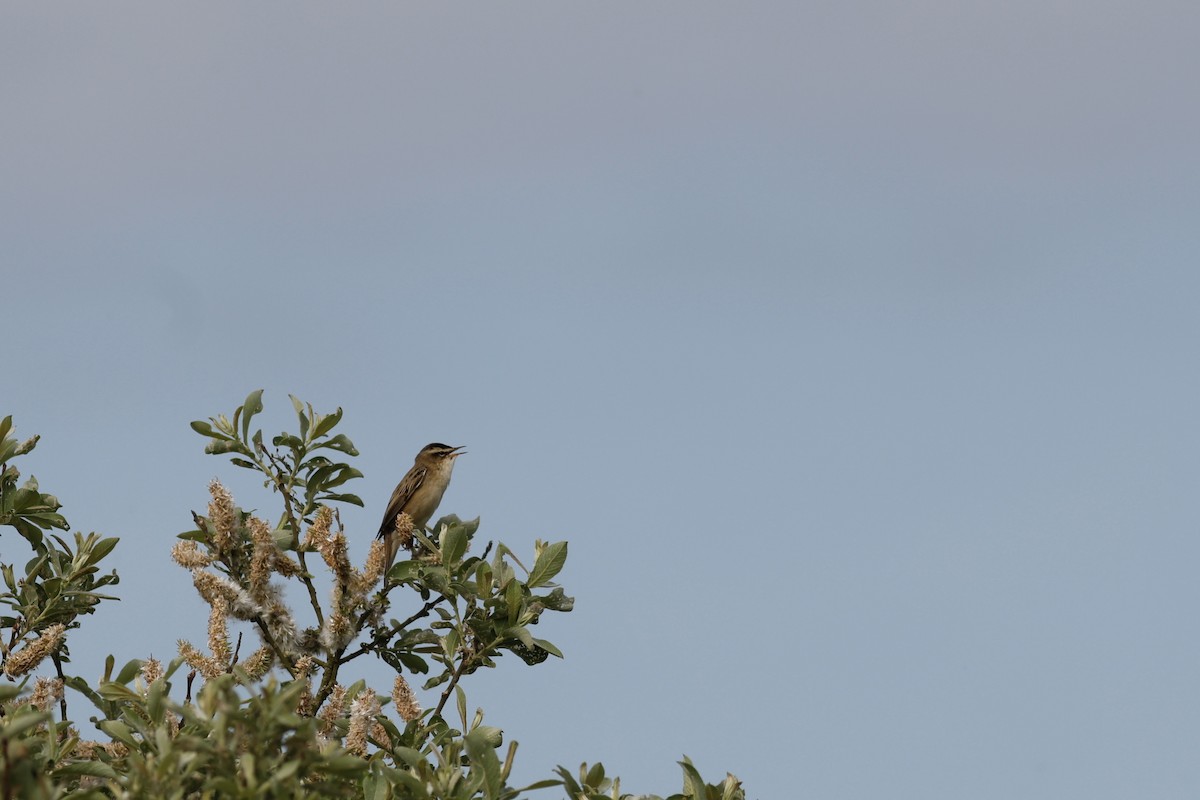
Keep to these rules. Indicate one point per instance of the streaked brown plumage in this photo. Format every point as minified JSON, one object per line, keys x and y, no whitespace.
{"x":419,"y":492}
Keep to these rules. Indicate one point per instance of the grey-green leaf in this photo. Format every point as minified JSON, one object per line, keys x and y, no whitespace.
{"x":550,"y":562}
{"x":252,"y":406}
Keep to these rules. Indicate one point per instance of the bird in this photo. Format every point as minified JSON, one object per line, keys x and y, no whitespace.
{"x":418,"y":493}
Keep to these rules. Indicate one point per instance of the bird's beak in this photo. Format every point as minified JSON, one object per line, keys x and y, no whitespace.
{"x":455,"y":454}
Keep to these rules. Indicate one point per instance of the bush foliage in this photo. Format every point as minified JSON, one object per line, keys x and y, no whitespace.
{"x":286,"y":717}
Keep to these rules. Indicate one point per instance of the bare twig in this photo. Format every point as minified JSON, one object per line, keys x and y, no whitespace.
{"x":459,"y":671}
{"x":62,"y":701}
{"x":276,"y":473}
{"x":383,"y":636}
{"x":270,"y":640}
{"x":237,"y":649}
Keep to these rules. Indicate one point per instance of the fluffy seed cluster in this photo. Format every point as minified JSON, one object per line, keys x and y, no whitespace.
{"x":350,"y":587}
{"x":151,"y":671}
{"x":259,"y":662}
{"x":188,"y":555}
{"x":334,"y":709}
{"x":337,"y":631}
{"x":404,"y":530}
{"x":223,"y":515}
{"x":406,"y":702}
{"x":32,"y":654}
{"x":238,"y":601}
{"x":362,"y":714}
{"x":267,"y":559}
{"x":206,"y":666}
{"x":318,"y":532}
{"x":46,"y":692}
{"x":304,"y":668}
{"x":374,"y":568}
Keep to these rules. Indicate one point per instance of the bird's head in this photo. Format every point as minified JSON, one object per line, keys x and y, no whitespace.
{"x":438,"y":453}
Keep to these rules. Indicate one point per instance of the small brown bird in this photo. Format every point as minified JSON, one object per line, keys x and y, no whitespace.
{"x":418,"y":493}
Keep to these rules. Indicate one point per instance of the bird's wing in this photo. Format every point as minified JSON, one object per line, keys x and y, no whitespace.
{"x":404,"y":492}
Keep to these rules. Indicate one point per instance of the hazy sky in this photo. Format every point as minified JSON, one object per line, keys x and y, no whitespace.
{"x":851,"y":346}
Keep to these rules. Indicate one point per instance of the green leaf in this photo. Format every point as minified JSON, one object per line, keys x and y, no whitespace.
{"x":549,"y":563}
{"x":296,"y":404}
{"x":18,"y":724}
{"x":460,"y":699}
{"x":483,"y":756}
{"x":204,"y":429}
{"x":118,"y":692}
{"x":154,"y":700}
{"x":218,"y":447}
{"x":568,"y":781}
{"x":414,"y":663}
{"x":289,"y":440}
{"x":353,"y":499}
{"x":531,"y":655}
{"x":93,"y":769}
{"x":128,"y":671}
{"x":345,"y":472}
{"x":342,"y":444}
{"x":327,"y":422}
{"x":119,"y":731}
{"x":102,"y":548}
{"x":374,"y":787}
{"x":693,"y":784}
{"x":513,"y":595}
{"x":27,"y":445}
{"x":557,"y":600}
{"x":454,"y":545}
{"x":403,"y":571}
{"x":545,"y":783}
{"x":595,"y":775}
{"x":283,"y":538}
{"x":451,"y":520}
{"x":548,"y":647}
{"x":252,"y":406}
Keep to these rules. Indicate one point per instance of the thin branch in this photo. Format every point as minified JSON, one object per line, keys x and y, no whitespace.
{"x":383,"y":636}
{"x":62,"y":701}
{"x":279,"y":654}
{"x":276,"y":474}
{"x":237,"y":649}
{"x":458,"y":673}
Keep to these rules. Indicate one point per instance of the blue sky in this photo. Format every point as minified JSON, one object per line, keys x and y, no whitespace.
{"x":848,"y":344}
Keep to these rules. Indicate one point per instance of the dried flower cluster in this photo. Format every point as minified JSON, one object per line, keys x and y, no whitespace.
{"x":232,"y":570}
{"x":304,"y":668}
{"x":46,"y":692}
{"x":223,"y":515}
{"x":350,"y":587}
{"x":260,"y":601}
{"x":404,"y":530}
{"x":151,"y":671}
{"x":335,"y":708}
{"x":363,"y":711}
{"x":187,"y":555}
{"x":405,"y":701}
{"x":24,"y":660}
